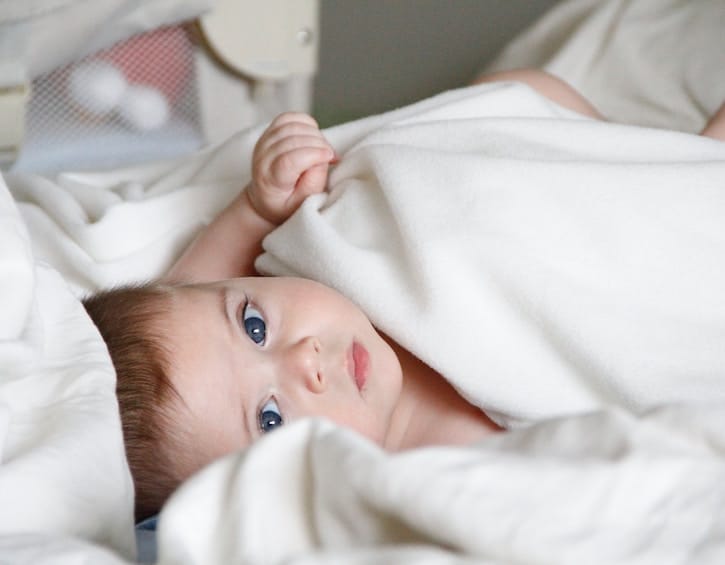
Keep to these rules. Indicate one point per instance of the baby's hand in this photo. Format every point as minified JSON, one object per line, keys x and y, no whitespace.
{"x":290,"y":162}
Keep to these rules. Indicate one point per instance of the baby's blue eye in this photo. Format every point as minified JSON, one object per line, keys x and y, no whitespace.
{"x":254,"y":324}
{"x":270,"y":416}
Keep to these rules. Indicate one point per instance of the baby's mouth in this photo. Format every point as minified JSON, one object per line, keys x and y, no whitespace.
{"x":358,"y":363}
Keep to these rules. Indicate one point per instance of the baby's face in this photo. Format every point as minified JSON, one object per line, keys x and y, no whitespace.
{"x":249,"y":355}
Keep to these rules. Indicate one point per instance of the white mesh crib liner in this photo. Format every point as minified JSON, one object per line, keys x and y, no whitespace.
{"x":115,"y":106}
{"x":125,"y":103}
{"x":127,"y":81}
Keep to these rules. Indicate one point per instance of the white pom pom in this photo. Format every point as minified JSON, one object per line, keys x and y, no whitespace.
{"x":144,"y":108}
{"x":97,"y":87}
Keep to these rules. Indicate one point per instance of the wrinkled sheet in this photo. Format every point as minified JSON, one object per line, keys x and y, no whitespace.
{"x":598,"y":487}
{"x":63,"y":471}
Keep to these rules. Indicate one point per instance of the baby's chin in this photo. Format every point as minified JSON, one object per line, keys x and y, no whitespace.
{"x":372,"y":432}
{"x":377,"y":438}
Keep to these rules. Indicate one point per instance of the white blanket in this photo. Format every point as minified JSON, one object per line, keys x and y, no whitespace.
{"x":591,"y":276}
{"x":545,"y":264}
{"x":572,"y":217}
{"x":62,"y":469}
{"x":598,"y":489}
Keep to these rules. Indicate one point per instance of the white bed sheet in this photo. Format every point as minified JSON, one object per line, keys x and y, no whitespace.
{"x":595,"y":488}
{"x":63,"y":471}
{"x":598,"y":489}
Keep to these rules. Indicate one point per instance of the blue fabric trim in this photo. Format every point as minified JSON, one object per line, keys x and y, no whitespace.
{"x":148,"y":523}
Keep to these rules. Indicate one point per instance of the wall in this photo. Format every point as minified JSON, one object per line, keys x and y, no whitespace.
{"x":376,"y":55}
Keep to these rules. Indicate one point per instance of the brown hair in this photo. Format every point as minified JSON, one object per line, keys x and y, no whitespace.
{"x":128,"y":320}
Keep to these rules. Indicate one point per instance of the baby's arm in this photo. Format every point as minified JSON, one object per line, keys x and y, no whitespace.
{"x":715,"y":128}
{"x":548,"y":85}
{"x":289,"y":163}
{"x":562,"y":93}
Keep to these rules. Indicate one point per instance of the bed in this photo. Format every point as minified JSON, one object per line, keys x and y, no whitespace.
{"x":616,"y":445}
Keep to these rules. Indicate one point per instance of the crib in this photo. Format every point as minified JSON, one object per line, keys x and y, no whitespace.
{"x":129,"y":82}
{"x":110,"y":169}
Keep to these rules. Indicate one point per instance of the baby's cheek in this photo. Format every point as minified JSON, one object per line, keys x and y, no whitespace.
{"x":372,"y":427}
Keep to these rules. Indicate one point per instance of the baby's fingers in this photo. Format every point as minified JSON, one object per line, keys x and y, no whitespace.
{"x":288,"y":125}
{"x":312,"y":181}
{"x":292,"y":142}
{"x":288,"y":117}
{"x":289,"y":166}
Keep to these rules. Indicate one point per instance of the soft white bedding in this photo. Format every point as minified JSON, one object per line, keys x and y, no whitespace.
{"x":582,"y":489}
{"x":605,"y":487}
{"x":62,"y":471}
{"x":544,"y":263}
{"x":599,"y":489}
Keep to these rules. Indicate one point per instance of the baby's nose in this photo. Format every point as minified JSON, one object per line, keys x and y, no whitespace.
{"x":304,"y":358}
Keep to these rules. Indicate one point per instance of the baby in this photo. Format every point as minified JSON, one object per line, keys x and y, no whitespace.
{"x":207,"y":363}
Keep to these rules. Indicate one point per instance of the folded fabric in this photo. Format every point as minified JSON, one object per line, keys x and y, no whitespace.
{"x":598,"y":489}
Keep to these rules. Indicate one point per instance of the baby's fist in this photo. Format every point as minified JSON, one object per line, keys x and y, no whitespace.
{"x":289,"y":163}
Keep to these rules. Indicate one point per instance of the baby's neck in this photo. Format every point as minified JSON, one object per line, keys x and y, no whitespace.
{"x":431,"y":411}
